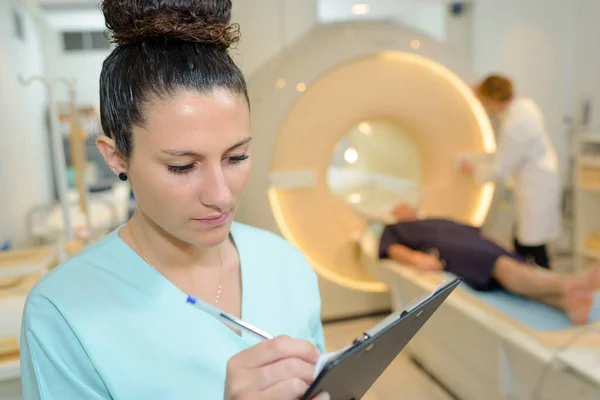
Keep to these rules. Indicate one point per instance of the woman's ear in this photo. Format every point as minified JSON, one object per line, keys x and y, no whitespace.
{"x":108,"y":149}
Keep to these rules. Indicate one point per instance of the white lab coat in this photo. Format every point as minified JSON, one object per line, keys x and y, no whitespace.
{"x":525,"y":153}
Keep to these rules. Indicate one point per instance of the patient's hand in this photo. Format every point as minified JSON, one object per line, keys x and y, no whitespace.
{"x":427,"y":262}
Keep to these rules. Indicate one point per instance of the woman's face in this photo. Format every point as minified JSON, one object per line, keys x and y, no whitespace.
{"x":191,"y":163}
{"x":494,"y":107}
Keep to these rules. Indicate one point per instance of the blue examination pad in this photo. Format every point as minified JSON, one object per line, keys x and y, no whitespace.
{"x":376,"y":228}
{"x":535,"y":315}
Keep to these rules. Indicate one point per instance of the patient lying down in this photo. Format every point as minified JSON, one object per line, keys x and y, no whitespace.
{"x":441,"y":244}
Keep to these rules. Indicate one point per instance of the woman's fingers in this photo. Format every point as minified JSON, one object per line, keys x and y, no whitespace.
{"x":273,"y":350}
{"x":283,"y":370}
{"x":280,"y":364}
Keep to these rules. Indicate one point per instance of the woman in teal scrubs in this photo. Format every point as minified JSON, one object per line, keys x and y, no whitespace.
{"x":113,"y":322}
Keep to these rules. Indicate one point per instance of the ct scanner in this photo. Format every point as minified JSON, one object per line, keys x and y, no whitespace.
{"x":304,"y":101}
{"x":336,"y":77}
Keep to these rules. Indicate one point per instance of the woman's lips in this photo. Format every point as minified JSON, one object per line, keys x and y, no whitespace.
{"x":212,"y":220}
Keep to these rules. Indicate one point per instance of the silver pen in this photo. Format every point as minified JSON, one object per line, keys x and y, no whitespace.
{"x":229,"y":319}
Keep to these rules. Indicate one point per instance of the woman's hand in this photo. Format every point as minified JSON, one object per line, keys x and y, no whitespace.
{"x":280,"y":369}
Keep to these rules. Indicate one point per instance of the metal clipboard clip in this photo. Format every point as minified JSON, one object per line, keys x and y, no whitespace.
{"x":393,"y":317}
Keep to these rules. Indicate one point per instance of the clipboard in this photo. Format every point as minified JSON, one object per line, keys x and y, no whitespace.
{"x":351,"y":373}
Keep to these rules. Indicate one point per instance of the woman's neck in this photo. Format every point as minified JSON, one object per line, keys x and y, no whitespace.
{"x":165,"y":251}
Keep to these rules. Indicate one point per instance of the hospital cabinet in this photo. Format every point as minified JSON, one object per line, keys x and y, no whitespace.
{"x":586,"y":180}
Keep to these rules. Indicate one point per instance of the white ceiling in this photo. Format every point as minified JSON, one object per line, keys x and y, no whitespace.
{"x":66,"y":4}
{"x":335,"y":3}
{"x":61,"y":2}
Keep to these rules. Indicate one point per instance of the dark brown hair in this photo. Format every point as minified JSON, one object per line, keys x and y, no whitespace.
{"x":496,"y":87}
{"x":163,"y":46}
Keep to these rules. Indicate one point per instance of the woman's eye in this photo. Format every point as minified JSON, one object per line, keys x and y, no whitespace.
{"x":237,"y":159}
{"x":180,"y":169}
{"x":185,"y":169}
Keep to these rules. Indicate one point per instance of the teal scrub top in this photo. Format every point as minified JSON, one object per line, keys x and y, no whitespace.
{"x":105,"y":325}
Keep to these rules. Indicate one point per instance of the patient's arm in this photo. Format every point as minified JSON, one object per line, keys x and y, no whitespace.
{"x":406,"y":255}
{"x":402,"y":254}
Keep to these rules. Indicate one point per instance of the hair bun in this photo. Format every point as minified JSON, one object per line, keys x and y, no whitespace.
{"x":201,"y":21}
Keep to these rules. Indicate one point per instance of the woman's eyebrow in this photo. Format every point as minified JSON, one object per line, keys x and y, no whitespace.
{"x":189,"y":153}
{"x":240,"y":143}
{"x":181,"y":153}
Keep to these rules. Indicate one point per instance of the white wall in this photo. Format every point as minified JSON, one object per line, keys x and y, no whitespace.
{"x":76,"y":19}
{"x":25,"y":177}
{"x":426,"y":17}
{"x":83,"y":66}
{"x":459,"y":31}
{"x":430,"y":17}
{"x":267,"y":26}
{"x":530,"y":41}
{"x":587,"y":59}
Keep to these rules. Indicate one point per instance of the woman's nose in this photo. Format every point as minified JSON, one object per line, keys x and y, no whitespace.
{"x":215,"y":189}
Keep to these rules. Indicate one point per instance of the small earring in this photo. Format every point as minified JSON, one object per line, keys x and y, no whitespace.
{"x":123,"y":176}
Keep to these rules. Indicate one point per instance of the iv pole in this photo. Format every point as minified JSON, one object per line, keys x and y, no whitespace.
{"x":60,"y":168}
{"x":78,"y":139}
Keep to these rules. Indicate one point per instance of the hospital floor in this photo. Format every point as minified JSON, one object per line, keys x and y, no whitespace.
{"x":403,"y":378}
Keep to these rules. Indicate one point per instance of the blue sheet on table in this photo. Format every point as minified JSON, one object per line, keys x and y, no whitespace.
{"x":533,"y":314}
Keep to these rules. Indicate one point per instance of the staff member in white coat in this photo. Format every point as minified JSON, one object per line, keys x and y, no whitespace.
{"x":524,"y":152}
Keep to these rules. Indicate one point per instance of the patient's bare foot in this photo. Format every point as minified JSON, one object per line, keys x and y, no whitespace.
{"x":577,"y":299}
{"x":593,"y":276}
